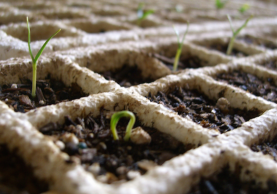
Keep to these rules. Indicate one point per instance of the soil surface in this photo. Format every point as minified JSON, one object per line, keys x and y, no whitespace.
{"x":191,"y":104}
{"x":257,"y":42}
{"x":267,"y":147}
{"x":248,"y":82}
{"x":192,"y":62}
{"x":49,"y":91}
{"x":223,"y":49}
{"x":16,"y":177}
{"x":127,"y":76}
{"x":90,"y":140}
{"x":227,"y":182}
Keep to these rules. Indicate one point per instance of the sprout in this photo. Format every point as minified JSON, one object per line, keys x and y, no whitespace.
{"x":35,"y":60}
{"x":235,"y":33}
{"x":180,"y":46}
{"x":141,"y":14}
{"x":219,"y":4}
{"x":244,"y":8}
{"x":114,"y":120}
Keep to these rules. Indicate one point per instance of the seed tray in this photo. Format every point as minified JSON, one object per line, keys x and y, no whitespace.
{"x":104,"y":36}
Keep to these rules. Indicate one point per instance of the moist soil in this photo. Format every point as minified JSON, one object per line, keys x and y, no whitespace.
{"x":267,"y":147}
{"x":223,"y":49}
{"x":250,"y":83}
{"x":257,"y":42}
{"x":49,"y":91}
{"x":227,"y":182}
{"x":127,"y":76}
{"x":191,"y":61}
{"x":111,"y":160}
{"x":199,"y":108}
{"x":16,"y":177}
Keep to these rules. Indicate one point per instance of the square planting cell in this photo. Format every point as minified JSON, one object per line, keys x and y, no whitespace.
{"x":52,"y":86}
{"x":257,"y":41}
{"x":264,"y":87}
{"x":215,"y":114}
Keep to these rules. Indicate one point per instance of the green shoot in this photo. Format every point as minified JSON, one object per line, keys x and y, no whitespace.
{"x":35,"y":59}
{"x":180,"y":46}
{"x":219,"y":4}
{"x":235,"y":33}
{"x":142,"y":15}
{"x":244,"y":8}
{"x":114,"y":120}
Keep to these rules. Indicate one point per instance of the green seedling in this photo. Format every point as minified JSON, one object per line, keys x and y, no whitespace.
{"x":114,"y":120}
{"x":219,"y":4}
{"x":235,"y":33}
{"x":35,"y":59}
{"x":142,"y":15}
{"x":244,"y":8}
{"x":180,"y":46}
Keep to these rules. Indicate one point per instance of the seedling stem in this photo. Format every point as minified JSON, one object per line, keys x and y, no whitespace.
{"x":142,"y":15}
{"x":35,"y":59}
{"x":180,"y":46}
{"x":114,"y":120}
{"x":235,"y":33}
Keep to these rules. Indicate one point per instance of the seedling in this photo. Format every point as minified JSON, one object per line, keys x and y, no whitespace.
{"x":180,"y":46}
{"x":35,"y":59}
{"x":142,"y":15}
{"x":244,"y":8}
{"x":219,"y":4}
{"x":235,"y":33}
{"x":114,"y":120}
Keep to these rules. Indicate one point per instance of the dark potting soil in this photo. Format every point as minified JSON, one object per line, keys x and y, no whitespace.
{"x":112,"y":160}
{"x":227,"y":182}
{"x":127,"y":76}
{"x":16,"y":177}
{"x":223,"y":49}
{"x":267,"y":147}
{"x":248,"y":82}
{"x":257,"y":42}
{"x":208,"y":113}
{"x":192,"y":62}
{"x":49,"y":91}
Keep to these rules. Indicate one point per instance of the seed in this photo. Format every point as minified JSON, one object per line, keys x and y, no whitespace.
{"x":139,"y":136}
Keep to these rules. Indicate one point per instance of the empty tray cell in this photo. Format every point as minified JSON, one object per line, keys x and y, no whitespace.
{"x":261,"y":42}
{"x":268,"y":147}
{"x":194,"y":105}
{"x":123,"y":64}
{"x":269,"y":63}
{"x":98,"y":26}
{"x":39,"y":31}
{"x":16,"y":176}
{"x":90,"y":139}
{"x":264,"y":88}
{"x":229,"y":182}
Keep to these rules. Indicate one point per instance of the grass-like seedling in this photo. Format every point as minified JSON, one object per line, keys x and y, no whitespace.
{"x":35,"y":59}
{"x":142,"y":15}
{"x":114,"y":120}
{"x":244,"y":8}
{"x":180,"y":46}
{"x":219,"y":4}
{"x":235,"y":33}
